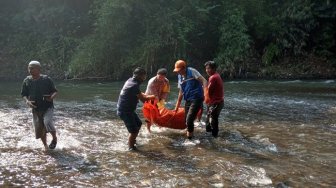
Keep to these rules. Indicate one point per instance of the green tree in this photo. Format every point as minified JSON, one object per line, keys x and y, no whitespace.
{"x":234,"y":42}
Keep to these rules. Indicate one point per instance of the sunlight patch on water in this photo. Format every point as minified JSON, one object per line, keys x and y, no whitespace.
{"x":29,"y":141}
{"x":264,"y":143}
{"x":329,"y":81}
{"x":259,"y":177}
{"x":66,"y":140}
{"x":224,"y":171}
{"x":185,"y":142}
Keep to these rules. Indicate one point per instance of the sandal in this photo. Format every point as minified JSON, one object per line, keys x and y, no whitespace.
{"x":53,"y":144}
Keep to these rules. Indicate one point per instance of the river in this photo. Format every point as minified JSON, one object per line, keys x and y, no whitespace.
{"x":272,"y":133}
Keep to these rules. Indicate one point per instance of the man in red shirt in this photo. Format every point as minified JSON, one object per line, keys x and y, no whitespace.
{"x":214,"y":98}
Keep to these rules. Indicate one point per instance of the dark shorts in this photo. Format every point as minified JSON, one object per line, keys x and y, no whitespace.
{"x":131,"y":120}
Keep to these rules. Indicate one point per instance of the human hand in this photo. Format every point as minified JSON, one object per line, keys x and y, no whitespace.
{"x":206,"y":96}
{"x":151,"y":97}
{"x":30,"y":104}
{"x":47,"y":98}
{"x":161,"y":103}
{"x":207,"y":100}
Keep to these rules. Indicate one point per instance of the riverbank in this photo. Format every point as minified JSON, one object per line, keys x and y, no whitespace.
{"x":310,"y":67}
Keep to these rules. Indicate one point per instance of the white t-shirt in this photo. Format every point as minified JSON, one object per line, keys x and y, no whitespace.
{"x":159,"y":88}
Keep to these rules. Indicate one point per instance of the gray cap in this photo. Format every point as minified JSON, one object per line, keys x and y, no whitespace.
{"x":34,"y":63}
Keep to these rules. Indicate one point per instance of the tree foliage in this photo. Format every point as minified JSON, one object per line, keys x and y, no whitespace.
{"x":109,"y":38}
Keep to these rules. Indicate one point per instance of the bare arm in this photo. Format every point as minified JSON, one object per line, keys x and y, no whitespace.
{"x":53,"y":95}
{"x":179,"y":99}
{"x":28,"y":102}
{"x":143,"y":97}
{"x":204,"y":83}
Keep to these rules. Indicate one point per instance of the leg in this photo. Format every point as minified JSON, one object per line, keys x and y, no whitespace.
{"x":133,"y":125}
{"x":187,"y":105}
{"x":138,"y":124}
{"x":207,"y":121}
{"x":214,"y":118}
{"x":49,"y":125}
{"x":53,"y":134}
{"x":44,"y":141}
{"x":199,"y":114}
{"x":148,"y":125}
{"x":186,"y":110}
{"x":191,"y":116}
{"x":132,"y":140}
{"x":53,"y":142}
{"x":40,"y":131}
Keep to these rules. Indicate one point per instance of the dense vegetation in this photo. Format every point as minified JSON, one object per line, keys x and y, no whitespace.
{"x":108,"y":38}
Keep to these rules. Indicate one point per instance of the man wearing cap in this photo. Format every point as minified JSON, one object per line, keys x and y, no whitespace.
{"x":191,"y":85}
{"x":38,"y":91}
{"x":127,"y":103}
{"x":159,"y":87}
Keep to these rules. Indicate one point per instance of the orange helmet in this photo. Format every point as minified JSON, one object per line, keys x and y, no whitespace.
{"x":180,"y":64}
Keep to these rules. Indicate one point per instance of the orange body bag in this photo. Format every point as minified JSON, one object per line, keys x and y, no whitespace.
{"x":164,"y":117}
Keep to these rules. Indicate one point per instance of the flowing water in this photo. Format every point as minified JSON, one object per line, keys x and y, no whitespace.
{"x":272,"y":134}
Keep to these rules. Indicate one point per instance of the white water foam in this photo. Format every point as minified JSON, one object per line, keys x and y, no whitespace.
{"x":186,"y":142}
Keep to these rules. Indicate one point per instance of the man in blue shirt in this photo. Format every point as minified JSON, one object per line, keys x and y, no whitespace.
{"x":127,"y":103}
{"x":191,"y":84}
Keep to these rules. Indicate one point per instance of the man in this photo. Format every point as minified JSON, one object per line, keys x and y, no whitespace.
{"x":127,"y":103}
{"x":214,"y":97}
{"x":159,"y":87}
{"x":190,"y":83}
{"x":38,"y":91}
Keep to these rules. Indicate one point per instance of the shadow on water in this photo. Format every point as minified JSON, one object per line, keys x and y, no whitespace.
{"x":231,"y":142}
{"x":164,"y":160}
{"x":69,"y":160}
{"x":239,"y":143}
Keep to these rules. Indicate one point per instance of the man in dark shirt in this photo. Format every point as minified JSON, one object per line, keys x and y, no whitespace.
{"x":38,"y":91}
{"x":127,"y":103}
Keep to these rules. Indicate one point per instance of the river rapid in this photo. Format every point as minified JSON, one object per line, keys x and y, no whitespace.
{"x":272,"y":134}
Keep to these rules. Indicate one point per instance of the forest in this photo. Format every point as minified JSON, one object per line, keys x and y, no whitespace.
{"x":107,"y":39}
